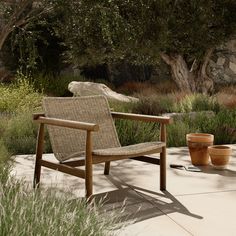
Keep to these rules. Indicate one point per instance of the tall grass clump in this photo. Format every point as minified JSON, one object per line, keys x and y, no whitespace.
{"x":35,"y":213}
{"x":24,"y":212}
{"x":45,"y":213}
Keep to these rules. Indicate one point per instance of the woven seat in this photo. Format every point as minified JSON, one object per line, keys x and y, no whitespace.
{"x":84,"y":126}
{"x":132,"y":150}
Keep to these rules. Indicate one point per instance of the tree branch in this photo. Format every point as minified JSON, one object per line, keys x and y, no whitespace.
{"x":14,"y":20}
{"x":166,"y":58}
{"x":194,"y":65}
{"x":206,"y":60}
{"x":17,"y":20}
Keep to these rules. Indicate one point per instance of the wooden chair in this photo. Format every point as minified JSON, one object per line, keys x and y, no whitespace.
{"x":82,"y":132}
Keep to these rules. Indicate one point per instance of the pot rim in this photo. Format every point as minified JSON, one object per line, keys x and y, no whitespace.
{"x":219,"y":150}
{"x":200,"y":137}
{"x":220,"y":147}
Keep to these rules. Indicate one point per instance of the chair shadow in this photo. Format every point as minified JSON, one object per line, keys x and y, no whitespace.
{"x":135,"y":204}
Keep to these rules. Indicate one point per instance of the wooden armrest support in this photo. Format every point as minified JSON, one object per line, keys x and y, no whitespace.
{"x":146,"y":118}
{"x":65,"y":123}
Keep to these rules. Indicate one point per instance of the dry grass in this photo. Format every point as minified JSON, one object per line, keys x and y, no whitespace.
{"x":132,"y":87}
{"x":227,"y":97}
{"x":147,"y":88}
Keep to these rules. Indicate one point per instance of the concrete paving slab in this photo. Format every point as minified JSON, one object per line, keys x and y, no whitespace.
{"x":158,"y":226}
{"x":179,"y":182}
{"x":195,"y":204}
{"x":24,"y":168}
{"x":218,"y":212}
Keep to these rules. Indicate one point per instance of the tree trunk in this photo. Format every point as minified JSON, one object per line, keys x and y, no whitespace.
{"x":109,"y":72}
{"x":193,"y":80}
{"x":180,"y":72}
{"x":203,"y":81}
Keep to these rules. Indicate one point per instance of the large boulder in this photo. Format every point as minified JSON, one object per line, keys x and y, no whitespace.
{"x":90,"y":88}
{"x":223,"y":64}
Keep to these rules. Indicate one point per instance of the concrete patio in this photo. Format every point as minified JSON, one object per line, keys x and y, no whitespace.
{"x":196,"y":203}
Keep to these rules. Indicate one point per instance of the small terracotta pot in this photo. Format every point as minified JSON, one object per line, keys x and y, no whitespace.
{"x":220,"y":155}
{"x":198,"y":144}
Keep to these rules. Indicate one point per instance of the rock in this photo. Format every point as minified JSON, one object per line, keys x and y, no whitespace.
{"x":232,"y":66}
{"x":90,"y":88}
{"x":220,"y":61}
{"x":223,"y":68}
{"x":191,"y":115}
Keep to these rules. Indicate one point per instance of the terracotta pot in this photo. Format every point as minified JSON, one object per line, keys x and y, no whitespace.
{"x":198,"y":144}
{"x":220,"y":155}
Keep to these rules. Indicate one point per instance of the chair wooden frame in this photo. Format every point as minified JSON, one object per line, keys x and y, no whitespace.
{"x":69,"y":167}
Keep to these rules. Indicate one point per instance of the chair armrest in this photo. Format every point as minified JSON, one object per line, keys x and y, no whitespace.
{"x":40,"y":118}
{"x":145,"y":118}
{"x":37,"y":115}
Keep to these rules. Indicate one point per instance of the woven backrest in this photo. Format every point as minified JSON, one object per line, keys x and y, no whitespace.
{"x":67,"y":142}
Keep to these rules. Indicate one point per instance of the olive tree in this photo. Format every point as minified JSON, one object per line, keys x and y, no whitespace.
{"x":183,"y":33}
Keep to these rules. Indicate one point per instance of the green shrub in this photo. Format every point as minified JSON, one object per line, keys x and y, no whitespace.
{"x":132,"y":132}
{"x":19,"y":97}
{"x":20,"y":135}
{"x":222,"y":125}
{"x":17,"y":103}
{"x":154,"y":104}
{"x":185,"y":104}
{"x":197,"y":102}
{"x":176,"y":134}
{"x":121,"y":106}
{"x":203,"y":102}
{"x":55,"y":86}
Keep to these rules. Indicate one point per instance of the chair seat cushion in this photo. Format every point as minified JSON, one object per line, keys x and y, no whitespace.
{"x":131,"y":150}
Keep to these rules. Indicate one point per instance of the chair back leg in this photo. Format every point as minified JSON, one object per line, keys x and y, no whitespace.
{"x":39,"y":153}
{"x":107,"y":168}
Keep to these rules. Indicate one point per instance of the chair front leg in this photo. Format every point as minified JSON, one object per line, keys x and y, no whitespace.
{"x":163,"y":159}
{"x":163,"y":169}
{"x":39,"y":153}
{"x":88,"y":166}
